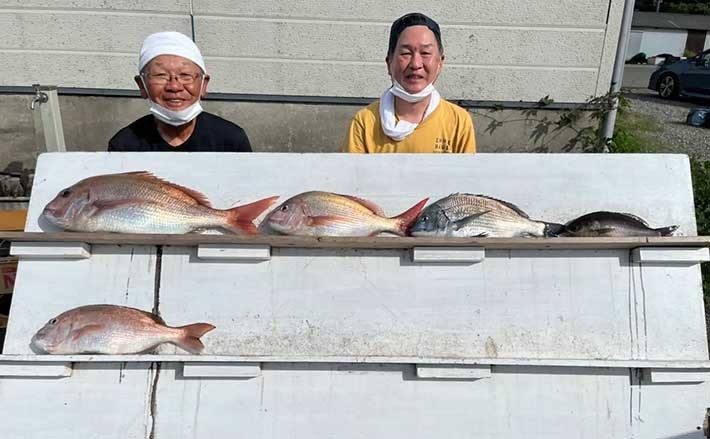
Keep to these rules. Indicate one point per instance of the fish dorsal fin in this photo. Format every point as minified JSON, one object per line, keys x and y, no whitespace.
{"x":377,"y":210}
{"x":507,"y":204}
{"x":198,"y":197}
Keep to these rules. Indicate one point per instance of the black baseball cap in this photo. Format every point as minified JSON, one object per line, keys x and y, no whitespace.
{"x":412,"y":19}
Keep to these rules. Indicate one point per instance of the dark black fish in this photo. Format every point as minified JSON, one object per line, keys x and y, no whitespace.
{"x":612,"y":224}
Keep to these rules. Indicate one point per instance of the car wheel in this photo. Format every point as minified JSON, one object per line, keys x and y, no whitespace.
{"x":668,"y":86}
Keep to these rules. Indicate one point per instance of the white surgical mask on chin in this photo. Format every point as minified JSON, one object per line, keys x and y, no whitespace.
{"x":174,"y":118}
{"x":412,"y":98}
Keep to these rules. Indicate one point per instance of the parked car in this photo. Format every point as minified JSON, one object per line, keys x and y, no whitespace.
{"x":689,"y":77}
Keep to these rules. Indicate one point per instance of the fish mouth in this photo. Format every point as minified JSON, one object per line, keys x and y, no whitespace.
{"x":38,"y":347}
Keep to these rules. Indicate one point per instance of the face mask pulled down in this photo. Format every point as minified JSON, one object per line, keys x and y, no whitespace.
{"x":400,"y":129}
{"x":174,"y":118}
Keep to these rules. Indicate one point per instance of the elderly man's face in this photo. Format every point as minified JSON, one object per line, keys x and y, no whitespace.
{"x":416,"y":61}
{"x":173,"y":82}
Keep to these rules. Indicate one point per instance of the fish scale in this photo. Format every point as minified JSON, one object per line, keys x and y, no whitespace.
{"x":467,"y":215}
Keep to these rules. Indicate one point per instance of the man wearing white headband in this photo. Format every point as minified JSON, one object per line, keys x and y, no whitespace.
{"x":411,"y":116}
{"x":172,"y":77}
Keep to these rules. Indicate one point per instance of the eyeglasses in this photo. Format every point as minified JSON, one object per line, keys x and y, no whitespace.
{"x":164,"y":78}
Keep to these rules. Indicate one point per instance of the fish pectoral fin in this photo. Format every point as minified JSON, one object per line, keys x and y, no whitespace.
{"x":463,"y":222}
{"x":85,"y":330}
{"x":324,"y":220}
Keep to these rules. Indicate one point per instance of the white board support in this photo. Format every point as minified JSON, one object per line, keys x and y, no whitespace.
{"x":689,"y":376}
{"x":53,"y":250}
{"x":234,"y":252}
{"x":453,"y":372}
{"x":457,"y":255}
{"x":668,"y":255}
{"x":220,"y":370}
{"x":40,"y":369}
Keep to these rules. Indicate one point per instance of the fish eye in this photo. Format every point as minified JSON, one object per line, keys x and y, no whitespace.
{"x":53,"y":322}
{"x":65,"y":193}
{"x":425,"y":218}
{"x":284,"y":208}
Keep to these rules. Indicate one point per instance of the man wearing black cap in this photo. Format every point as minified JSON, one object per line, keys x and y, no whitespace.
{"x":411,"y":116}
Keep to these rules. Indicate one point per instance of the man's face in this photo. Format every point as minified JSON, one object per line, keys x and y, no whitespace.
{"x":416,"y":61}
{"x":173,"y":82}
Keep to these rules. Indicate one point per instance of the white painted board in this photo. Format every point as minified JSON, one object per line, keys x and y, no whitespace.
{"x":98,"y":401}
{"x":360,"y":401}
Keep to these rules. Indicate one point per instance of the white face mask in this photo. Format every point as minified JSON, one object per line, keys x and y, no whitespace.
{"x":174,"y":118}
{"x":401,"y":93}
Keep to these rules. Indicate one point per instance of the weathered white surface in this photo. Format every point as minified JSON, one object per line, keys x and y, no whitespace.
{"x":503,"y":50}
{"x":453,"y":371}
{"x":243,"y":252}
{"x":220,"y":370}
{"x":37,"y":370}
{"x":668,"y":410}
{"x":677,"y":376}
{"x":98,"y":401}
{"x":54,"y":250}
{"x":520,"y":304}
{"x":119,"y":275}
{"x":448,"y":254}
{"x":524,"y":308}
{"x":358,"y":401}
{"x":687,"y":256}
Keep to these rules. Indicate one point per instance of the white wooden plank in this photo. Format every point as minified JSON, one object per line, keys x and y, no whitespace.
{"x":238,"y":252}
{"x":220,"y":370}
{"x":35,"y":369}
{"x":448,"y":254}
{"x":686,"y":256}
{"x":119,"y":275}
{"x":453,"y":372}
{"x":658,"y":376}
{"x":106,"y":400}
{"x":51,"y":250}
{"x":311,"y":359}
{"x":332,"y":400}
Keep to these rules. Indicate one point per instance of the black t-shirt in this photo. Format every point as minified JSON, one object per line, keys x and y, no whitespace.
{"x":212,"y":134}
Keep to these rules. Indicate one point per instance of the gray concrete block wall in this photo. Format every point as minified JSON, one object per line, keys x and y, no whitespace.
{"x":89,"y":122}
{"x":508,"y":50}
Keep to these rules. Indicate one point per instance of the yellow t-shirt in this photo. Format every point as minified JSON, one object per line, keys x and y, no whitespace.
{"x":448,"y":129}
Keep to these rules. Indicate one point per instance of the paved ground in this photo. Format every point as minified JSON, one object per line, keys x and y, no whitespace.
{"x":674,"y":135}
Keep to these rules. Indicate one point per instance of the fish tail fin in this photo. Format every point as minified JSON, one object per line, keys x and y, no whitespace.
{"x":666,"y":231}
{"x":553,"y":229}
{"x":190,"y":339}
{"x":407,"y":218}
{"x":240,"y":218}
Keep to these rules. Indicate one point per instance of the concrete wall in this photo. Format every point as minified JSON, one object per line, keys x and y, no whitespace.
{"x":89,"y":122}
{"x":507,"y":50}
